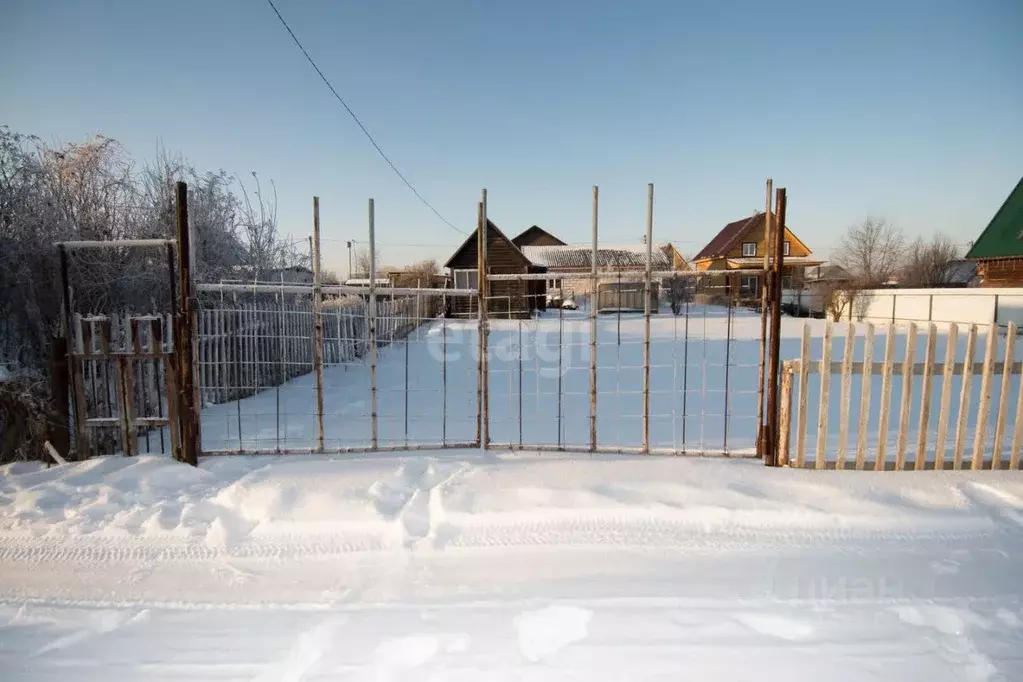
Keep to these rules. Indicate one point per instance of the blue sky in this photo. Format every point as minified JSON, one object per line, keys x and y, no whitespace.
{"x":911,"y":110}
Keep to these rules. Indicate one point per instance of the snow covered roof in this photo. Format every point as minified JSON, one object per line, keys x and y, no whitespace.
{"x":608,"y":256}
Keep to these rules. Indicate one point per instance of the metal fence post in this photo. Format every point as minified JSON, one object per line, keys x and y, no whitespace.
{"x":646,"y":316}
{"x":485,"y":327}
{"x":763,"y":320}
{"x":372,"y":314}
{"x":317,"y":324}
{"x":594,"y":303}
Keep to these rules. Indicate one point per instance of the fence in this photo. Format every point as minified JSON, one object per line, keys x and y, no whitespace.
{"x":961,"y":306}
{"x":364,"y":370}
{"x":934,"y":398}
{"x":245,"y":346}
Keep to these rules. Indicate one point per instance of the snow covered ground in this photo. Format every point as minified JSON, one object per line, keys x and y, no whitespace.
{"x":464,"y":566}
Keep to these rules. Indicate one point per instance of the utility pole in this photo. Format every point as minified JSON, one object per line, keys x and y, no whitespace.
{"x":349,"y":259}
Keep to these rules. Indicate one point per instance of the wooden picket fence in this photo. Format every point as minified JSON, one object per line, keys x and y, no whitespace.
{"x":244,"y":348}
{"x":991,"y":371}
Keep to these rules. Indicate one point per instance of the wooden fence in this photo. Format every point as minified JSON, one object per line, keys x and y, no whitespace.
{"x":246,"y":347}
{"x":917,"y":408}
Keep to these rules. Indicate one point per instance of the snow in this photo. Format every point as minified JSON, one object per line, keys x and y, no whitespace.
{"x":459,"y":565}
{"x":469,"y":565}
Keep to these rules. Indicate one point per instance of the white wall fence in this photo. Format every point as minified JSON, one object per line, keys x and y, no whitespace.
{"x":962,"y":306}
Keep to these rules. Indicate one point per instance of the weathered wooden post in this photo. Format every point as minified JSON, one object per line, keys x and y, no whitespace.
{"x":188,"y":412}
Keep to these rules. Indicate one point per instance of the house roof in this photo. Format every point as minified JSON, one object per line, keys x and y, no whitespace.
{"x":608,"y":256}
{"x":732,"y":233}
{"x":826,"y":273}
{"x":729,"y":235}
{"x":961,"y":272}
{"x":529,"y":234}
{"x":471,"y":239}
{"x":1003,"y":237}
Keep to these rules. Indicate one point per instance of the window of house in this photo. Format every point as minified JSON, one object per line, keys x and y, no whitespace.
{"x":466,"y":279}
{"x":785,"y":247}
{"x":749,"y":249}
{"x":748,"y":284}
{"x":554,"y":284}
{"x":786,"y":281}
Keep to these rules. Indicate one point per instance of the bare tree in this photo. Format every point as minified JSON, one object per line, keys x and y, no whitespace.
{"x":419,"y":274}
{"x":871,"y":252}
{"x":930,"y":263}
{"x":361,"y":262}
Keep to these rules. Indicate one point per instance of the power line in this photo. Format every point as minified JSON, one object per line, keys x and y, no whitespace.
{"x":359,"y":123}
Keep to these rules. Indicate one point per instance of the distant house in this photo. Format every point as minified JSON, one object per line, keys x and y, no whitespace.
{"x":740,"y":246}
{"x":569,"y":265}
{"x":512,"y":299}
{"x":296,"y":274}
{"x":998,"y":250}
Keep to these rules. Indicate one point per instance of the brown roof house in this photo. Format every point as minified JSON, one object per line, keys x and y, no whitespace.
{"x":998,"y":250}
{"x":506,"y":299}
{"x":740,"y":246}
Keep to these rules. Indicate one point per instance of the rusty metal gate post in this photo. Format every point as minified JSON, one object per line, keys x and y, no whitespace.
{"x":772,"y":434}
{"x":646,"y":315}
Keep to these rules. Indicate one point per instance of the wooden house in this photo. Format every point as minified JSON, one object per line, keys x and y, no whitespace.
{"x":536,"y":236}
{"x":740,"y":246}
{"x":506,"y":299}
{"x":998,"y":251}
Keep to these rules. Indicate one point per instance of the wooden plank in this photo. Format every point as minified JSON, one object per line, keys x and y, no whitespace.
{"x":804,"y":383}
{"x":785,"y":415}
{"x":1003,"y":397}
{"x":984,"y":412}
{"x":964,"y":398}
{"x":820,"y":461}
{"x":866,"y":381}
{"x":925,"y":399}
{"x":907,"y":398}
{"x":843,"y":408}
{"x":886,"y":399}
{"x":1017,"y":434}
{"x":946,"y":396}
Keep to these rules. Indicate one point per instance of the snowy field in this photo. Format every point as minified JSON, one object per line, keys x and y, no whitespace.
{"x":465,"y":566}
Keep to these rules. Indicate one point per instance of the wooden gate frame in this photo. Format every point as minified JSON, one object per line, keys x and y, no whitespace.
{"x":179,"y":359}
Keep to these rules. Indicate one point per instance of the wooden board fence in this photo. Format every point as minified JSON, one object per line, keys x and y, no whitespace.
{"x":915,"y":384}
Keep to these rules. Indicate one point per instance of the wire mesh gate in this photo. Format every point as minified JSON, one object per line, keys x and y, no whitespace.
{"x":300,"y":369}
{"x":622,"y":381}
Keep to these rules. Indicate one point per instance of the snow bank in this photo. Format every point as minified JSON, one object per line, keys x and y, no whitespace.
{"x":439,"y":501}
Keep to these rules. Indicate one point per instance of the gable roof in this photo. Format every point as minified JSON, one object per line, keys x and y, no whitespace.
{"x":732,"y":233}
{"x":1003,"y":237}
{"x":530,"y":234}
{"x":729,"y":235}
{"x":492,"y":230}
{"x":608,"y":256}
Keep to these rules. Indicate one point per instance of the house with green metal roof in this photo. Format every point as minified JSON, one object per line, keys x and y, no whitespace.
{"x":998,"y":250}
